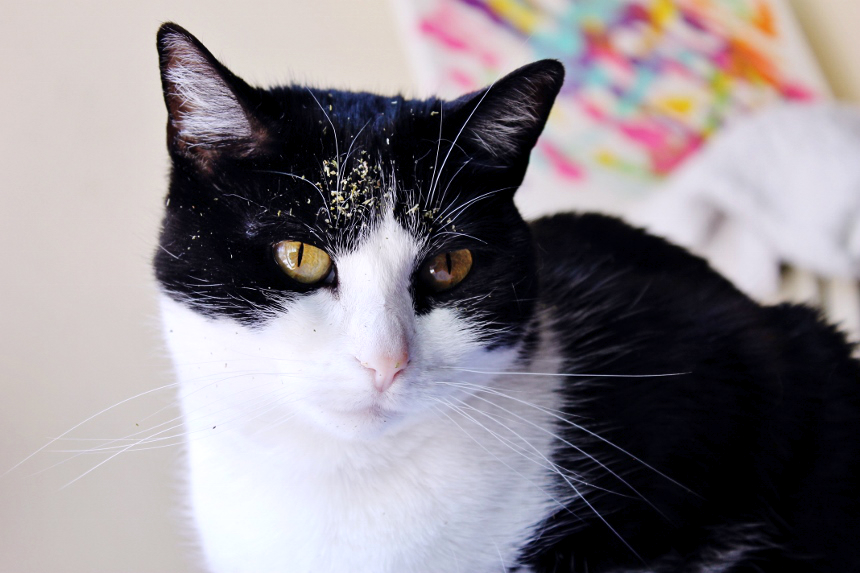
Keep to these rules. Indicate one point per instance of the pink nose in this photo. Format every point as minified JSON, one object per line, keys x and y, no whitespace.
{"x":385,"y":368}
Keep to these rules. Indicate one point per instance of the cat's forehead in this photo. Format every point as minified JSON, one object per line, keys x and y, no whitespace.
{"x":340,"y":119}
{"x":345,"y":165}
{"x":351,"y":206}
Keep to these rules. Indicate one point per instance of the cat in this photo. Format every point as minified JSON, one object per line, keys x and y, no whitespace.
{"x":383,"y":368}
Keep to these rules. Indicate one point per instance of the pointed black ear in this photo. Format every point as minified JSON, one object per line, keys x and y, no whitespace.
{"x":505,"y":119}
{"x":206,"y":104}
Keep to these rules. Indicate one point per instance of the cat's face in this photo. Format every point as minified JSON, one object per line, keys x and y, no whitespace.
{"x":348,"y":253}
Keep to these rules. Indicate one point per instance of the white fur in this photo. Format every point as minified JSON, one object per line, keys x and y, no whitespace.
{"x":782,"y":186}
{"x":298,"y":464}
{"x":500,"y":131}
{"x":210,"y":113}
{"x":724,"y":561}
{"x":738,"y":541}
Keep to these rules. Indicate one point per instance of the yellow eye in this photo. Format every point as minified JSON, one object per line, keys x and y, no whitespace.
{"x":303,"y":262}
{"x":446,"y":270}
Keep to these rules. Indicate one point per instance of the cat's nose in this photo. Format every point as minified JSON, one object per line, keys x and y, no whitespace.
{"x":385,"y":367}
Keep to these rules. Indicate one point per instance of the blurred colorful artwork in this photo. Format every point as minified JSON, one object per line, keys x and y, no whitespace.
{"x":648,"y":81}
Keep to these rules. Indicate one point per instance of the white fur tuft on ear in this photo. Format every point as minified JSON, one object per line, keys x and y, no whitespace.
{"x":500,"y":132}
{"x":509,"y":115}
{"x":204,"y":109}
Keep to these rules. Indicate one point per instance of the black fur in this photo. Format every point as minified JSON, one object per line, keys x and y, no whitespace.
{"x":757,"y":430}
{"x":751,"y":439}
{"x":228,"y":206}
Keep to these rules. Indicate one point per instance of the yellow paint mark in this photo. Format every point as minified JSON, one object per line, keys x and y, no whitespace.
{"x":521,"y":16}
{"x":662,"y":12}
{"x":606,"y":158}
{"x":677,"y":105}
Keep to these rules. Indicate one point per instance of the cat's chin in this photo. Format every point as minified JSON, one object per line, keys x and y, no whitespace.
{"x":367,"y":423}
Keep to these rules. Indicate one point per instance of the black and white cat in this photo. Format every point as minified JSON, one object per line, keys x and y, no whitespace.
{"x":384,"y":369}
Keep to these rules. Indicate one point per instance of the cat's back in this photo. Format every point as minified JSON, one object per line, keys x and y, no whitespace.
{"x":758,"y":407}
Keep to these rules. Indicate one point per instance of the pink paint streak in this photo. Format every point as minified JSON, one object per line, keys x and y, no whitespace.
{"x":441,"y":34}
{"x":652,"y":137}
{"x":462,"y":79}
{"x":664,"y":160}
{"x":798,"y":92}
{"x":564,"y":166}
{"x":446,"y":26}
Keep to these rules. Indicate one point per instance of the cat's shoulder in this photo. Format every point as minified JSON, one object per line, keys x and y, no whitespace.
{"x":570,"y":240}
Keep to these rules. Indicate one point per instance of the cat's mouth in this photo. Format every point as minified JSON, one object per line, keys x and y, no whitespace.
{"x":367,"y":422}
{"x":375,"y":411}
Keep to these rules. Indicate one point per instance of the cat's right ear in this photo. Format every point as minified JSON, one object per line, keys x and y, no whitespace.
{"x":207,"y":105}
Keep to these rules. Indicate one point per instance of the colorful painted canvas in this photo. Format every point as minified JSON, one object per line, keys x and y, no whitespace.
{"x":648,"y":81}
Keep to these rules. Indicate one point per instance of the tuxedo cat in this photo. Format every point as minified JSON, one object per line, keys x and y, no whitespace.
{"x":383,"y":368}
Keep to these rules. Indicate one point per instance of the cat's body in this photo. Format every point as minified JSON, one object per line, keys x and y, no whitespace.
{"x":450,"y":390}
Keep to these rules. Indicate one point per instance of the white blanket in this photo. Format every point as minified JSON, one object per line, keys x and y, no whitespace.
{"x":779,"y":187}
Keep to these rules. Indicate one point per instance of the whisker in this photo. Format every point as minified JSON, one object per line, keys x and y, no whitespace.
{"x":494,"y":456}
{"x":436,"y":173}
{"x":554,"y":467}
{"x":497,"y":392}
{"x":562,"y":374}
{"x":460,"y":132}
{"x":580,"y":495}
{"x":560,"y":416}
{"x":79,"y":424}
{"x":151,"y":438}
{"x":575,"y":447}
{"x":295,"y":176}
{"x":107,"y":444}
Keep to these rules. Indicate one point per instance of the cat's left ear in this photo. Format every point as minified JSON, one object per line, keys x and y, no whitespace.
{"x":502,"y":122}
{"x":208,"y":106}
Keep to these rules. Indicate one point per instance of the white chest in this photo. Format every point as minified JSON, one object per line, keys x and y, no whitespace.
{"x":452,"y":499}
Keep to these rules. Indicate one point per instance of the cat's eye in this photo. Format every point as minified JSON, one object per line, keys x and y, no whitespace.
{"x":446,"y":270}
{"x":302,"y":262}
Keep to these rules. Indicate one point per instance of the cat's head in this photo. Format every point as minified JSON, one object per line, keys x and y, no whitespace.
{"x":356,"y":249}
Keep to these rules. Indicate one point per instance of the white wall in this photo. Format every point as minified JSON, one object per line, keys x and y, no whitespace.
{"x":831,"y":28}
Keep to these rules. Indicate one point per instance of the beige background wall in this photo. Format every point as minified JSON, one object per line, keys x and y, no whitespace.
{"x":82,"y":175}
{"x":831,"y":27}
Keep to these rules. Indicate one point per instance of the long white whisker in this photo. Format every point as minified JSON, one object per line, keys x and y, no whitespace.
{"x":586,"y":502}
{"x":436,"y":162}
{"x":351,"y":143}
{"x":150,"y":439}
{"x":452,"y":211}
{"x":460,"y":132}
{"x":79,"y":424}
{"x":496,"y":392}
{"x":575,"y":447}
{"x":606,"y":523}
{"x":577,"y":375}
{"x":556,"y":414}
{"x":293,"y":175}
{"x":336,"y":147}
{"x":451,"y":180}
{"x":494,"y":456}
{"x":551,"y":465}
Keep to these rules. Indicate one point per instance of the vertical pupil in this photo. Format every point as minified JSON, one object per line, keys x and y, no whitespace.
{"x":448,"y":261}
{"x":301,"y":252}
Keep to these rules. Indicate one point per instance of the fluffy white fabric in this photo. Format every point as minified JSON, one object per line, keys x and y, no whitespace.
{"x":780,"y":187}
